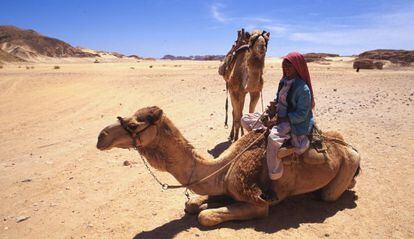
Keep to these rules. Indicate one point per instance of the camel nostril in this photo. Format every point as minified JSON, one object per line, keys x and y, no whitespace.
{"x":101,"y":140}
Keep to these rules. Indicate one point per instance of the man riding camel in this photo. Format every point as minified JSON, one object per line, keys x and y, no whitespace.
{"x":290,"y":113}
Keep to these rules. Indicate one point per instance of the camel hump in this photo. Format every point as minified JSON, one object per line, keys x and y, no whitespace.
{"x":334,"y":134}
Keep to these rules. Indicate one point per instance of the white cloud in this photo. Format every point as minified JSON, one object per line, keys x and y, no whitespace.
{"x":375,"y":30}
{"x":217,"y":15}
{"x":343,"y":35}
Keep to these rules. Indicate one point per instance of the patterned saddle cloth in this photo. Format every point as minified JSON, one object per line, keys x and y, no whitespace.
{"x":315,"y":154}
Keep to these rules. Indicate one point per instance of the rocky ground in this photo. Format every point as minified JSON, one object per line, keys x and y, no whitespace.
{"x":56,"y":184}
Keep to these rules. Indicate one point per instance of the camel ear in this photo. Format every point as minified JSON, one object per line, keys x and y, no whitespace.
{"x":267,"y":35}
{"x":154,"y":115}
{"x":247,"y":34}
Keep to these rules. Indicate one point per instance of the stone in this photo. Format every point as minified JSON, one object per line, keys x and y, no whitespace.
{"x":21,"y":218}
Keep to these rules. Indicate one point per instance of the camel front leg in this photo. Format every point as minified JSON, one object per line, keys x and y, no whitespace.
{"x":237,"y":211}
{"x":235,"y":103}
{"x":254,"y":98}
{"x":198,"y":203}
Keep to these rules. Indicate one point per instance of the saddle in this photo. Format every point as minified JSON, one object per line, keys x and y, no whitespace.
{"x":315,"y":154}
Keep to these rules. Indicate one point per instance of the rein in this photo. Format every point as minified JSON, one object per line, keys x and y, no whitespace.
{"x":166,"y":186}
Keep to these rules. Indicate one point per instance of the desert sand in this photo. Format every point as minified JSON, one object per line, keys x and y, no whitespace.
{"x":54,"y":179}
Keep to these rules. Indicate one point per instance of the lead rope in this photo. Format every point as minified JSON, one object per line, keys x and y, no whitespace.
{"x":261,"y":96}
{"x":226,"y":106}
{"x":165,"y":186}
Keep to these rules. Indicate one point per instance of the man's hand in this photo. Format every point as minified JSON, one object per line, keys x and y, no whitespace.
{"x":270,"y":122}
{"x":271,"y":109}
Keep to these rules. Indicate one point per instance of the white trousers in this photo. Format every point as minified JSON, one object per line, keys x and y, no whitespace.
{"x":277,"y":136}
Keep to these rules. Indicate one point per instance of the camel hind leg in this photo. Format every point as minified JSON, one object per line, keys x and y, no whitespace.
{"x":345,"y":178}
{"x":237,"y":211}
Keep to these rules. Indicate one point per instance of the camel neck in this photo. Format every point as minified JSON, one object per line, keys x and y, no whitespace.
{"x":186,"y":165}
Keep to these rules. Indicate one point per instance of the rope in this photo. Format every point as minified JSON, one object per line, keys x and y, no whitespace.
{"x":165,"y":186}
{"x":261,"y":97}
{"x":226,"y":106}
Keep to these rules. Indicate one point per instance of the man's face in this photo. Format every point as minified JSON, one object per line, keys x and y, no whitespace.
{"x":288,"y":69}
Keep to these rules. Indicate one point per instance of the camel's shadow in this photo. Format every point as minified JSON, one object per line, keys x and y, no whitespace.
{"x":219,"y":148}
{"x":290,"y":213}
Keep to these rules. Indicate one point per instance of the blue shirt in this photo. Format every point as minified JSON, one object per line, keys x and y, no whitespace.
{"x":299,"y":107}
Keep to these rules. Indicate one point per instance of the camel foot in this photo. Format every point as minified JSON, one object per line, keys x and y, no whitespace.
{"x":197,"y":204}
{"x":237,"y":211}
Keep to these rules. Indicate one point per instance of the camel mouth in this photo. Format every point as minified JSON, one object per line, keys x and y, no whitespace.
{"x":103,"y":147}
{"x":103,"y":143}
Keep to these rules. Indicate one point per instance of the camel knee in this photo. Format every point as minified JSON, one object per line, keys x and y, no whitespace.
{"x":192,"y":208}
{"x":195,"y":204}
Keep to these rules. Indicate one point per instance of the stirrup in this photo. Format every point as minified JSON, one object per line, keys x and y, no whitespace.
{"x":284,"y":152}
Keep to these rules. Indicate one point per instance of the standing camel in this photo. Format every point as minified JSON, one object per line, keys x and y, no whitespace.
{"x":242,"y":70}
{"x":239,"y":173}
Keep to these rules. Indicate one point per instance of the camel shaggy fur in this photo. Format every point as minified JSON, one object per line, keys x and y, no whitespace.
{"x":162,"y":144}
{"x":244,"y":73}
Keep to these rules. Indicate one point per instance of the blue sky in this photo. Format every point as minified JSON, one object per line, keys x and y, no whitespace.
{"x":179,"y":27}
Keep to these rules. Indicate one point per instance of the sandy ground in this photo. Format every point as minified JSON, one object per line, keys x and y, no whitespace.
{"x":51,"y":172}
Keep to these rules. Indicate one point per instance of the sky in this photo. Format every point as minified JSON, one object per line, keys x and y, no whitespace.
{"x":153,"y":28}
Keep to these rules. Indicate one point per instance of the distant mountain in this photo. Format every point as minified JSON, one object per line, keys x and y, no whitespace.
{"x":28,"y":45}
{"x":311,"y":57}
{"x":195,"y":58}
{"x":402,"y":57}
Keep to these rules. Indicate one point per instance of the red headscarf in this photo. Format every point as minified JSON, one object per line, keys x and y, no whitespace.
{"x":298,"y":61}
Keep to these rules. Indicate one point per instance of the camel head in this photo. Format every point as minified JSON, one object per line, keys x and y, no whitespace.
{"x":258,"y":43}
{"x":140,"y":129}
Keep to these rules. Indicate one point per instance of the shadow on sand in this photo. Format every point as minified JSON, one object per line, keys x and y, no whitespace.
{"x":219,"y":148}
{"x":288,"y":214}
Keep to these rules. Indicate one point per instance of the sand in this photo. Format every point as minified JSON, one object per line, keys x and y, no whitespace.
{"x":54,"y":179}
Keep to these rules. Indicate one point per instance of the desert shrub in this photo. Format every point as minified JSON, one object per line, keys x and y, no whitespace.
{"x":96,"y":61}
{"x":56,"y":67}
{"x":27,"y":67}
{"x":1,"y":67}
{"x":150,"y":66}
{"x":132,"y":68}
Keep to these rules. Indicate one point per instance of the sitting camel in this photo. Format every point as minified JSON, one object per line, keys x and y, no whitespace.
{"x":240,"y":172}
{"x":242,"y":70}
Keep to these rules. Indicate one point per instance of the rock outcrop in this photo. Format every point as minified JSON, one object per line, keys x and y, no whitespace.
{"x":401,"y":57}
{"x":312,"y":57}
{"x":364,"y":63}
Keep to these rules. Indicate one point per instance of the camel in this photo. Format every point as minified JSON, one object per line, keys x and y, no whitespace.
{"x":156,"y":138}
{"x":242,"y":70}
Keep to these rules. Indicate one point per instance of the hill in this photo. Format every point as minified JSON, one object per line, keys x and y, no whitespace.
{"x":29,"y":45}
{"x":402,"y":57}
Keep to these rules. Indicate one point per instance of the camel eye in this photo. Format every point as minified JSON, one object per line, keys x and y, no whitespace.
{"x":133,"y":126}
